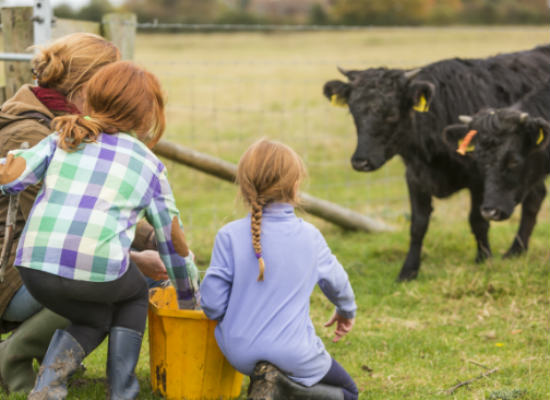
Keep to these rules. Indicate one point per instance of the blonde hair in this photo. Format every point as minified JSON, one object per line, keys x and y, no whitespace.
{"x":70,"y":61}
{"x":268,"y":172}
{"x":120,"y":97}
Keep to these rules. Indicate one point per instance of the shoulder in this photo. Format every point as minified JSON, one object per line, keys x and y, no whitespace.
{"x":140,"y":151}
{"x":309,"y":229}
{"x":314,"y":234}
{"x":236,"y":227}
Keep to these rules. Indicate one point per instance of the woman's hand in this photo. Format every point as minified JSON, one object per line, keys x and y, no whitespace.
{"x":150,"y":264}
{"x":343,"y":326}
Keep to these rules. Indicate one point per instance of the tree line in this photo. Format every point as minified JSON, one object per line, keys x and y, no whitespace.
{"x":321,"y":12}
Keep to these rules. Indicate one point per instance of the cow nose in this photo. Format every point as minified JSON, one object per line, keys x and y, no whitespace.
{"x":360,"y":165}
{"x":491,"y":213}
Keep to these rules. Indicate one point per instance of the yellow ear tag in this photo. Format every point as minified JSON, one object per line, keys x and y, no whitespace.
{"x":422,"y":105}
{"x":541,"y":137}
{"x":338,"y":101}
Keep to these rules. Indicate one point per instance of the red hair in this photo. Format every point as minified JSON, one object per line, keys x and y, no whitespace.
{"x":120,"y":97}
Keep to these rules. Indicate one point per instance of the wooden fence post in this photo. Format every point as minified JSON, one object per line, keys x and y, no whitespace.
{"x":17,"y":29}
{"x":120,"y":28}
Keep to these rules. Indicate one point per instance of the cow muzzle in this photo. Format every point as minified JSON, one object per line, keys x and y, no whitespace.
{"x":493,"y":214}
{"x":362,"y":165}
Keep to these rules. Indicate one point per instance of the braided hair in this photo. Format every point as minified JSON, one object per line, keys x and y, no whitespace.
{"x":268,"y":172}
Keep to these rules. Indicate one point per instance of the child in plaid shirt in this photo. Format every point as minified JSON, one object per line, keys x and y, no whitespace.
{"x":73,"y":255}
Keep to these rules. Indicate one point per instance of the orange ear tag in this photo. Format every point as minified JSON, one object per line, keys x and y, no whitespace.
{"x":464,"y":144}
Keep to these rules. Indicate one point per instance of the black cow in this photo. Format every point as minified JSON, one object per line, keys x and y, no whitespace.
{"x":404,"y":112}
{"x":510,"y":146}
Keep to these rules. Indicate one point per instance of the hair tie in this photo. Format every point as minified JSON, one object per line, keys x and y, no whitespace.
{"x":258,"y":255}
{"x":87,"y":117}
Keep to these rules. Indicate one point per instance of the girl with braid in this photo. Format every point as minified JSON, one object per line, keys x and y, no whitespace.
{"x":263,"y":270}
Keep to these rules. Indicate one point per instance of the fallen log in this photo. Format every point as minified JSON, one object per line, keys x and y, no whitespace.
{"x":326,"y":210}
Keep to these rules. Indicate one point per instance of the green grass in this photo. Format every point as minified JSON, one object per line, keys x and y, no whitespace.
{"x":411,"y":341}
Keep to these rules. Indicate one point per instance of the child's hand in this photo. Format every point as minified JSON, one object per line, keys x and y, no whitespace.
{"x":343,"y":326}
{"x":150,"y":264}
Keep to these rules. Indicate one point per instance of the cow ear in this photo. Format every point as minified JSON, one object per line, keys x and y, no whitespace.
{"x":421,"y":94}
{"x":337,"y":92}
{"x":537,"y":132}
{"x":454,"y":136}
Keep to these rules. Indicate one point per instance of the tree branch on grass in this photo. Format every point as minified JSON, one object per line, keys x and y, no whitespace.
{"x":458,"y":385}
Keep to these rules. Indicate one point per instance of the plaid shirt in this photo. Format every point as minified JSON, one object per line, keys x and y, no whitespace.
{"x":83,"y":220}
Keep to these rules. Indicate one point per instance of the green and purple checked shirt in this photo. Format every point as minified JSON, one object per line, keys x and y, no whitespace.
{"x":84,"y":218}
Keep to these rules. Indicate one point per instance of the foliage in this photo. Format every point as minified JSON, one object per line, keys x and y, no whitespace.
{"x":318,"y":15}
{"x":64,"y":11}
{"x":93,"y":11}
{"x":505,"y":11}
{"x":320,"y":12}
{"x":406,"y":12}
{"x":184,"y":11}
{"x":381,"y":12}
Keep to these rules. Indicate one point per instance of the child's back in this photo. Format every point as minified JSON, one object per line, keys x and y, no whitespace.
{"x":85,"y":218}
{"x":268,"y":318}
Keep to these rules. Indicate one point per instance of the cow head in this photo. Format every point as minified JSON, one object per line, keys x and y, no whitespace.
{"x":382,"y":102}
{"x":508,"y":147}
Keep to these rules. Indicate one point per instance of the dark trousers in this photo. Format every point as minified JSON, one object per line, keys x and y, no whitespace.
{"x":338,"y":376}
{"x":92,"y":307}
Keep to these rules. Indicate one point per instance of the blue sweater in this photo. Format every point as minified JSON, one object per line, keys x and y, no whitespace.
{"x":270,"y":320}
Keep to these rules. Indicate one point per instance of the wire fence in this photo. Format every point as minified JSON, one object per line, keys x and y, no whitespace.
{"x":228,"y":85}
{"x":226,"y":90}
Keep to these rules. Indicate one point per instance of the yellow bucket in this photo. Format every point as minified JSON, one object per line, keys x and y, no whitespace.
{"x":186,"y":362}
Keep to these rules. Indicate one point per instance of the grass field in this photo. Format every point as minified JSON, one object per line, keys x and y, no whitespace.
{"x":411,"y":341}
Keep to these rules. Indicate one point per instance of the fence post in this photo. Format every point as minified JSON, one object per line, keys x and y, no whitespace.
{"x":17,"y":29}
{"x":120,"y":28}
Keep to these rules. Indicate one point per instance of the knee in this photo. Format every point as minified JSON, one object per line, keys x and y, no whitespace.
{"x":351,"y":392}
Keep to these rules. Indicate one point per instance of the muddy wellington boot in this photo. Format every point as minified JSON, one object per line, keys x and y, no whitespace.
{"x":62,"y":359}
{"x":29,"y":341}
{"x":123,"y":355}
{"x":267,"y":382}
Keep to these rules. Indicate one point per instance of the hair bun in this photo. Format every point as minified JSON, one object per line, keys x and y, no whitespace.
{"x":49,"y":68}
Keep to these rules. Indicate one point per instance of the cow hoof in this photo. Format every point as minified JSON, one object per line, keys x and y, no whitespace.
{"x":482,"y":256}
{"x":406,"y":276}
{"x":514,"y":252}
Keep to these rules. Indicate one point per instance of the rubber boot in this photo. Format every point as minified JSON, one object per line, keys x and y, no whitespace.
{"x":267,"y":382}
{"x":123,"y":355}
{"x":63,"y":357}
{"x":29,"y":341}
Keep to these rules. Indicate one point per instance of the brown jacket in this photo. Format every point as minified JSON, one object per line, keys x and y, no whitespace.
{"x":12,"y":137}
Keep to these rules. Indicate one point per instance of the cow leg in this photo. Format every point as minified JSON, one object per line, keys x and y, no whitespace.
{"x":479,"y":226}
{"x":529,"y":210}
{"x":421,"y":209}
